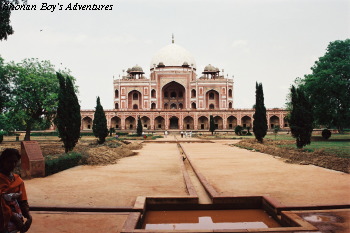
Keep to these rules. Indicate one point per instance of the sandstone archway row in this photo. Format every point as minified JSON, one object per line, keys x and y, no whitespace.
{"x":182,"y":120}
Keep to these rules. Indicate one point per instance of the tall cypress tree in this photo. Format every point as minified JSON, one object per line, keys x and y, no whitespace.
{"x":139,"y":127}
{"x":211,"y":124}
{"x":301,"y":118}
{"x":260,"y":120}
{"x":68,"y":118}
{"x":99,"y":125}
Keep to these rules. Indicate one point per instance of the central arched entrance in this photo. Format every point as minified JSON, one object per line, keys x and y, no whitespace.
{"x":174,"y":123}
{"x":174,"y":95}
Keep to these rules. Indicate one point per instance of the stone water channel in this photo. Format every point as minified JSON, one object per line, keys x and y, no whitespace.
{"x":203,"y":219}
{"x":203,"y":197}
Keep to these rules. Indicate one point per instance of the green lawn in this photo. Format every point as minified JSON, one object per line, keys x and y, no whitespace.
{"x":340,"y":148}
{"x":279,"y":136}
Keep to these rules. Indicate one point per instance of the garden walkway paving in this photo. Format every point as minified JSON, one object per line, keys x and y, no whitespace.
{"x":237,"y":172}
{"x":156,"y":171}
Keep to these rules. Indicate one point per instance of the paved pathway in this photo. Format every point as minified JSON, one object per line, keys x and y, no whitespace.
{"x":237,"y":172}
{"x":156,"y":171}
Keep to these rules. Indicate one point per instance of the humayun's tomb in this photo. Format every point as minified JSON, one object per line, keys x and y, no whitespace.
{"x":175,"y":98}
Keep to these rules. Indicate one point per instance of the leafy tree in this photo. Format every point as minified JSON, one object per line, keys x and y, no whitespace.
{"x":260,"y":121}
{"x":68,"y":118}
{"x":300,"y":117}
{"x":212,"y":125}
{"x":5,"y":13}
{"x":99,"y":125}
{"x":1,"y":136}
{"x":8,"y":124}
{"x":4,"y":85}
{"x":139,"y":126}
{"x":3,"y":121}
{"x":328,"y":87}
{"x":33,"y":99}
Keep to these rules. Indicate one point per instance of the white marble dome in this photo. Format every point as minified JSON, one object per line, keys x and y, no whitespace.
{"x":173,"y":55}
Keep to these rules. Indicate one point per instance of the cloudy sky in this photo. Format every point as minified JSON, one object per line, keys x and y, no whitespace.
{"x":268,"y":41}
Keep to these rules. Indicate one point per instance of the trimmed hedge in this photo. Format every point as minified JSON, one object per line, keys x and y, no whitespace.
{"x":63,"y":162}
{"x":55,"y":133}
{"x":122,"y":133}
{"x":43,"y":134}
{"x":326,"y":134}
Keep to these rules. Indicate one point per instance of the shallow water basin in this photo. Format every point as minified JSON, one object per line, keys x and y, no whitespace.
{"x":208,"y":219}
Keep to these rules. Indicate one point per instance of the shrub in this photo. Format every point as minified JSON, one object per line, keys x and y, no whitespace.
{"x":2,"y":133}
{"x":43,"y":134}
{"x":326,"y":133}
{"x":238,"y":130}
{"x":248,"y":131}
{"x":111,"y":131}
{"x":86,"y":134}
{"x":54,"y":164}
{"x":122,"y":133}
{"x":55,"y":133}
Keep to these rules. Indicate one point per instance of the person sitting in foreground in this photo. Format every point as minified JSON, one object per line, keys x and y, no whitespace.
{"x":13,"y":197}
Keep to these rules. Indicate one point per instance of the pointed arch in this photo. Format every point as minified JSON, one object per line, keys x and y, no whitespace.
{"x":146,"y":122}
{"x":86,"y":123}
{"x":203,"y":123}
{"x":174,"y":122}
{"x":130,"y":123}
{"x":188,"y":123}
{"x":193,"y":105}
{"x":212,"y":99}
{"x":231,"y":122}
{"x":134,"y":98}
{"x":230,"y":93}
{"x":218,"y":122}
{"x":115,"y":122}
{"x":246,"y":121}
{"x":159,"y":123}
{"x":193,"y":93}
{"x":274,"y":121}
{"x":153,"y":93}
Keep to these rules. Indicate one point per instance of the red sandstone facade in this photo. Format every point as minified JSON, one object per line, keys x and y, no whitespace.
{"x":173,"y":97}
